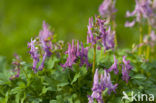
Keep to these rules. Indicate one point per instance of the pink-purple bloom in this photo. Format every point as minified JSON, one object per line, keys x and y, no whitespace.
{"x":84,"y":56}
{"x":34,"y":52}
{"x":114,"y":67}
{"x":99,"y":85}
{"x":44,"y":42}
{"x":108,"y":39}
{"x":97,"y":90}
{"x":106,"y":83}
{"x":127,"y":63}
{"x":100,"y":34}
{"x":69,"y":60}
{"x":17,"y":65}
{"x":143,"y":9}
{"x":45,"y":37}
{"x":107,"y":9}
{"x":74,"y":53}
{"x":90,"y":37}
{"x":126,"y":67}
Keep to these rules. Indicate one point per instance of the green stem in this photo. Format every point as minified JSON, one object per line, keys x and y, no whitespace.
{"x":115,"y":37}
{"x":94,"y":59}
{"x":148,"y":47}
{"x":141,"y":39}
{"x":25,"y":73}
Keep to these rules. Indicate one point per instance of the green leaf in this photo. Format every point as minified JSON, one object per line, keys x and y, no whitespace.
{"x":22,"y":100}
{"x":2,"y":100}
{"x":6,"y":97}
{"x":53,"y":101}
{"x":62,"y":84}
{"x":139,"y":76}
{"x":52,"y":61}
{"x":44,"y":90}
{"x":17,"y":98}
{"x":77,"y":101}
{"x":104,"y":93}
{"x":75,"y":78}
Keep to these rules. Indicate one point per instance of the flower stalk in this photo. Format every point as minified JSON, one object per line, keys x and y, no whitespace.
{"x":148,"y":46}
{"x":115,"y":36}
{"x":94,"y":60}
{"x":141,"y":39}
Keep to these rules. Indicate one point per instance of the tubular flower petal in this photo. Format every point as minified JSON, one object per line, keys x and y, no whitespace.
{"x":114,"y":67}
{"x":126,"y":67}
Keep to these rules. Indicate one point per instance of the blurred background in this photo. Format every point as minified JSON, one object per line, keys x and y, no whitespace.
{"x":22,"y":19}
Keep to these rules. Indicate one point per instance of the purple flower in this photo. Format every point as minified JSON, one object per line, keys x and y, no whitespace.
{"x":97,"y":91}
{"x":125,"y":73}
{"x":90,"y":37}
{"x":142,"y":9}
{"x":17,"y":65}
{"x":45,"y":38}
{"x":69,"y":61}
{"x":84,"y":56}
{"x":45,"y":34}
{"x":99,"y":34}
{"x":96,"y":81}
{"x":127,"y":63}
{"x":105,"y":82}
{"x":107,"y":9}
{"x":129,"y":24}
{"x":126,"y":67}
{"x":34,"y":54}
{"x":43,"y":41}
{"x":74,"y":53}
{"x":108,"y":39}
{"x":114,"y":67}
{"x":78,"y":50}
{"x":99,"y":85}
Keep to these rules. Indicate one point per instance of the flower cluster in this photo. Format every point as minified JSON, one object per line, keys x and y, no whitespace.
{"x":74,"y":53}
{"x":34,"y":54}
{"x":100,"y":34}
{"x":126,"y":67}
{"x":107,"y":9}
{"x":42,"y":42}
{"x":45,"y":37}
{"x":143,"y":9}
{"x":17,"y":65}
{"x":99,"y":85}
